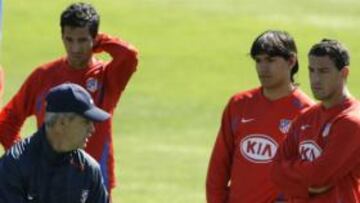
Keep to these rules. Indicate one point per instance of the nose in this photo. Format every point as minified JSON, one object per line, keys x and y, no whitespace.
{"x":91,"y":127}
{"x":262,"y":66}
{"x":315,"y":78}
{"x":75,"y":47}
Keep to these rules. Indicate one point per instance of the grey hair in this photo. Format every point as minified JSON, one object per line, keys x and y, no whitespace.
{"x":51,"y":118}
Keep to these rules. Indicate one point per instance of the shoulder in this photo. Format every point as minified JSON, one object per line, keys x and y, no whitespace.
{"x":303,"y":99}
{"x":244,"y":99}
{"x":21,"y":148}
{"x":22,"y":151}
{"x":50,"y":66}
{"x":307,"y":114}
{"x":311,"y":111}
{"x":246,"y":95}
{"x":350,"y":117}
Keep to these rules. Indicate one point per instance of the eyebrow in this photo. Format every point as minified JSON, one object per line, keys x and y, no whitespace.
{"x":264,"y":57}
{"x":320,"y":68}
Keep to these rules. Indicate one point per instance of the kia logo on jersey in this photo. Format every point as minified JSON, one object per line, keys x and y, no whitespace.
{"x":309,"y":150}
{"x":258,"y":148}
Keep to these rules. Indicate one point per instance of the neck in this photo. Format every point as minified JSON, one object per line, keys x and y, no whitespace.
{"x":337,"y":98}
{"x":279,"y":92}
{"x":80,"y":65}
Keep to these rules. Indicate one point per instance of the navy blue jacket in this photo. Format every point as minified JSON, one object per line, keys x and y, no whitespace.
{"x":31,"y":171}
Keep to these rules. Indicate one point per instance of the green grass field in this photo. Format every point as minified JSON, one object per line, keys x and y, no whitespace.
{"x":193,"y":57}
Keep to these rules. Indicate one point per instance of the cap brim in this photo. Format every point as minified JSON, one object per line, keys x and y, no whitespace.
{"x":96,"y":114}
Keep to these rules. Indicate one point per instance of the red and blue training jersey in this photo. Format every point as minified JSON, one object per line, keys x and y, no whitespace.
{"x":322,"y":150}
{"x":251,"y":130}
{"x":105,"y":81}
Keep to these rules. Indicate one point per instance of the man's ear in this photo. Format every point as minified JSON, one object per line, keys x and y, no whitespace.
{"x":292,"y":60}
{"x":345,"y":72}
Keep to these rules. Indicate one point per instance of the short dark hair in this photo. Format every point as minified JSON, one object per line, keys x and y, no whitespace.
{"x":334,"y":49}
{"x":81,"y":15}
{"x":276,"y":43}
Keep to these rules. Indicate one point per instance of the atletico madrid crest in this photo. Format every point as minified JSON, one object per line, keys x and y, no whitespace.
{"x":92,"y":85}
{"x":284,"y":125}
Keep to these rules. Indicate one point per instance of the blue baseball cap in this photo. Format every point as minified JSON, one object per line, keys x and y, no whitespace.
{"x":70,"y":97}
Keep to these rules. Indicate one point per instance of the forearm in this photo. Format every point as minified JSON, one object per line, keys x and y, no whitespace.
{"x":217,"y":188}
{"x":218,"y":175}
{"x":287,"y":181}
{"x":10,"y":125}
{"x":21,"y":106}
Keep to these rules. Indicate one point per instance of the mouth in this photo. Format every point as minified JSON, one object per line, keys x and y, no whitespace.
{"x":316,"y":87}
{"x":265,"y":76}
{"x":76,"y":56}
{"x":85,"y":142}
{"x":86,"y":138}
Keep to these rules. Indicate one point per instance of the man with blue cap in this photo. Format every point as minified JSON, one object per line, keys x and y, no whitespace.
{"x":50,"y":166}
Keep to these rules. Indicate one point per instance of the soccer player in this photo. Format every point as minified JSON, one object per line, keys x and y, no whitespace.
{"x":254,"y":123}
{"x":105,"y":81}
{"x":319,"y":160}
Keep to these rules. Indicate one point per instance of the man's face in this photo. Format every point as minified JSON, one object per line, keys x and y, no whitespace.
{"x":78,"y":44}
{"x":326,"y":80}
{"x":77,"y":131}
{"x":273,"y":71}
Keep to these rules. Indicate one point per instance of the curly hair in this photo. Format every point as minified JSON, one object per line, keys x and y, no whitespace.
{"x":81,"y":15}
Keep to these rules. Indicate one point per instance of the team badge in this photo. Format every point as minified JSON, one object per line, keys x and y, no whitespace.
{"x":326,"y":130}
{"x":284,"y":125}
{"x":84,"y":196}
{"x":92,"y":85}
{"x":30,"y":197}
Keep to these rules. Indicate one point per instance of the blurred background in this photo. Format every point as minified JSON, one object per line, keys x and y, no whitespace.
{"x":193,"y":57}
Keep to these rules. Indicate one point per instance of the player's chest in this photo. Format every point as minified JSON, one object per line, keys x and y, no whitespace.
{"x":269,"y":122}
{"x":313,"y":137}
{"x":56,"y":184}
{"x":258,"y":135}
{"x":92,"y":81}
